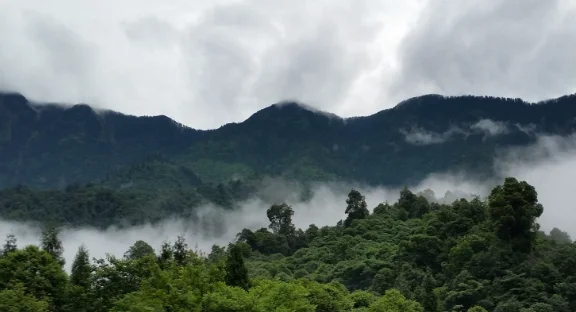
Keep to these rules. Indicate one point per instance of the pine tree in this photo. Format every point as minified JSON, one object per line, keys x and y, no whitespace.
{"x":81,"y":269}
{"x":236,"y":272}
{"x":180,"y":251}
{"x":10,"y":244}
{"x":166,"y":254}
{"x":52,"y":244}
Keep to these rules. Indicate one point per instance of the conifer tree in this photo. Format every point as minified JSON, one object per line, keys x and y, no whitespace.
{"x":236,"y":272}
{"x":52,"y":244}
{"x":10,"y":244}
{"x":81,"y":270}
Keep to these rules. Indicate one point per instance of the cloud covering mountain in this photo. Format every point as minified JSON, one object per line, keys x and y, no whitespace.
{"x":205,"y":63}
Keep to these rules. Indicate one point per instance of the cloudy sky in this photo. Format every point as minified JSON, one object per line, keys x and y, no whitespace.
{"x":208,"y":62}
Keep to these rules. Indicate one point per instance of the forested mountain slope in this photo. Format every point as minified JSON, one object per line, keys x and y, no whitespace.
{"x":52,"y":146}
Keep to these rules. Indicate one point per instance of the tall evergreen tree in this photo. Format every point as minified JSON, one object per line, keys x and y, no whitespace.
{"x":236,"y":272}
{"x":81,"y":269}
{"x":180,"y":250}
{"x":166,"y":254}
{"x":10,"y":244}
{"x":52,"y":244}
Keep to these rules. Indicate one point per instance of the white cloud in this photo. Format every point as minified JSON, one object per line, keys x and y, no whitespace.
{"x":419,"y":136}
{"x":202,"y":62}
{"x":548,"y":165}
{"x":490,"y":127}
{"x":205,"y":63}
{"x":510,"y":48}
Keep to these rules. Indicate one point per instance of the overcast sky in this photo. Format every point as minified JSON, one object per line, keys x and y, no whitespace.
{"x":209,"y":62}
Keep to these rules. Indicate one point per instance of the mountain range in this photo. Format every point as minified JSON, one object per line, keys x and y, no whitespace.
{"x":51,"y":146}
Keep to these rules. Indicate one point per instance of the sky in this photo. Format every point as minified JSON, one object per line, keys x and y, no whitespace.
{"x":209,"y":62}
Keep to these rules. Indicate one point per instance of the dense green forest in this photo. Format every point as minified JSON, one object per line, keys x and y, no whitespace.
{"x":412,"y":255}
{"x":74,"y":166}
{"x":101,"y":207}
{"x":52,"y":146}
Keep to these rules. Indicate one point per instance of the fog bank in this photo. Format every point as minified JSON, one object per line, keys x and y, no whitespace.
{"x":548,"y":165}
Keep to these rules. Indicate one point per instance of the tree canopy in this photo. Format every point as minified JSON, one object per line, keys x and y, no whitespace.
{"x":413,"y":255}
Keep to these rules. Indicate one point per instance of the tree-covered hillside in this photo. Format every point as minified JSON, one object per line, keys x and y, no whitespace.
{"x":413,"y":255}
{"x":50,"y":146}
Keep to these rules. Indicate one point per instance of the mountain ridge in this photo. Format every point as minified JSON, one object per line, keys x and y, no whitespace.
{"x":51,"y":146}
{"x":412,"y":103}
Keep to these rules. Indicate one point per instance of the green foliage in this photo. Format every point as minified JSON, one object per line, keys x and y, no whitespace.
{"x":10,"y":244}
{"x":52,"y":244}
{"x":394,"y":301}
{"x":280,"y":217}
{"x":76,"y":167}
{"x":46,"y":146}
{"x":236,"y":272}
{"x":356,"y":207}
{"x":140,"y":249}
{"x":445,"y":257}
{"x":101,"y":206}
{"x":433,"y":257}
{"x":38,"y":271}
{"x":81,"y":269}
{"x":513,"y":209}
{"x":16,"y":300}
{"x":560,"y":237}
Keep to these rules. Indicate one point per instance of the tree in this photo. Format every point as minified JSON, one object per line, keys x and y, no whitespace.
{"x":166,"y":254}
{"x":52,"y":244}
{"x":513,"y":209}
{"x":356,"y":207}
{"x":180,"y":250}
{"x":16,"y":300}
{"x":217,"y":253}
{"x":331,"y":297}
{"x":394,"y":301}
{"x":10,"y":244}
{"x":229,"y":299}
{"x":426,"y":295}
{"x":413,"y":205}
{"x":81,"y":269}
{"x":274,"y":295}
{"x":248,"y":237}
{"x":139,"y":250}
{"x":312,"y":232}
{"x":280,"y":217}
{"x":559,"y":236}
{"x":236,"y":272}
{"x":39,"y":272}
{"x":362,"y":298}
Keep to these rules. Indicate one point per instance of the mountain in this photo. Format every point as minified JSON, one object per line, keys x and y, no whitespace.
{"x":51,"y":146}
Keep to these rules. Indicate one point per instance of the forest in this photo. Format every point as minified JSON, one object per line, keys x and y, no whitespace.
{"x":52,"y":146}
{"x":482,"y":254}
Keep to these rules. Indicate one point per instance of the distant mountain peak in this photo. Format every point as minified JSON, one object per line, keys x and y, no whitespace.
{"x":298,"y":106}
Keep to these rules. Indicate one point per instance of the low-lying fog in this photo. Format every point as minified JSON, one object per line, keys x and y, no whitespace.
{"x":549,"y":165}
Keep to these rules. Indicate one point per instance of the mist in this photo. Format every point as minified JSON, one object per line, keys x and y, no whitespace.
{"x":548,"y":165}
{"x":229,"y":58}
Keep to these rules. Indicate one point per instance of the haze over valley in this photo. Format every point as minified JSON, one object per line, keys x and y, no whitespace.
{"x":255,"y":156}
